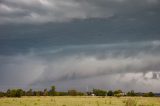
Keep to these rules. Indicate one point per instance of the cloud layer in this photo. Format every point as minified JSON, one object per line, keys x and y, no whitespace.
{"x":105,"y":44}
{"x":97,"y":66}
{"x":44,"y":11}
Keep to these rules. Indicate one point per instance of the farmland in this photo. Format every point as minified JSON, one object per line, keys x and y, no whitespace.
{"x":80,"y":101}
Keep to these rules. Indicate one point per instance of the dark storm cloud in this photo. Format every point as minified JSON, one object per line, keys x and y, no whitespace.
{"x":77,"y":43}
{"x":42,"y":11}
{"x":126,"y":21}
{"x":24,"y":38}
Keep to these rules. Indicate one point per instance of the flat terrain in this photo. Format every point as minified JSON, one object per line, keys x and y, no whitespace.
{"x":78,"y":101}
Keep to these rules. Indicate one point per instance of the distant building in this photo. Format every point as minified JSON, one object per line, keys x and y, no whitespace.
{"x":123,"y":94}
{"x":92,"y":94}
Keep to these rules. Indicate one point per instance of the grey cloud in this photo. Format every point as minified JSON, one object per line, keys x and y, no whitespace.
{"x":88,"y":67}
{"x":43,"y":11}
{"x":80,"y":43}
{"x":23,"y":38}
{"x":69,"y":66}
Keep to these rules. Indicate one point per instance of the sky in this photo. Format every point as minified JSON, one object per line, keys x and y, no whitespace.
{"x":80,"y":44}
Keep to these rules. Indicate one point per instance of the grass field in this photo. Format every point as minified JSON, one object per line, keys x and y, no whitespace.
{"x":80,"y":101}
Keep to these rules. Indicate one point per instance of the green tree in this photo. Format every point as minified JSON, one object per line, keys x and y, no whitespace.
{"x":99,"y":92}
{"x":52,"y":92}
{"x":110,"y":93}
{"x":8,"y":93}
{"x":149,"y":94}
{"x":29,"y":92}
{"x":37,"y":93}
{"x":15,"y":93}
{"x":2,"y":94}
{"x":19,"y":93}
{"x":131,"y":93}
{"x":117,"y":92}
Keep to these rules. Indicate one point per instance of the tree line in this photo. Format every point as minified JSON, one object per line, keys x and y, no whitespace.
{"x":52,"y":92}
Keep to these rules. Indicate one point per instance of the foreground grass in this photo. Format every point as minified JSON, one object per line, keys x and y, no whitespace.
{"x":80,"y":101}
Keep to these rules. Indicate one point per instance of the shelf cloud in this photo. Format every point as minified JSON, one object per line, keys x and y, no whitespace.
{"x":75,"y":64}
{"x":74,"y":44}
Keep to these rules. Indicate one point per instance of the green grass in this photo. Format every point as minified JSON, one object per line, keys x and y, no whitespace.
{"x":80,"y":101}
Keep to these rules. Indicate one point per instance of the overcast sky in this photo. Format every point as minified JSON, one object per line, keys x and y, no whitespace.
{"x":80,"y":44}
